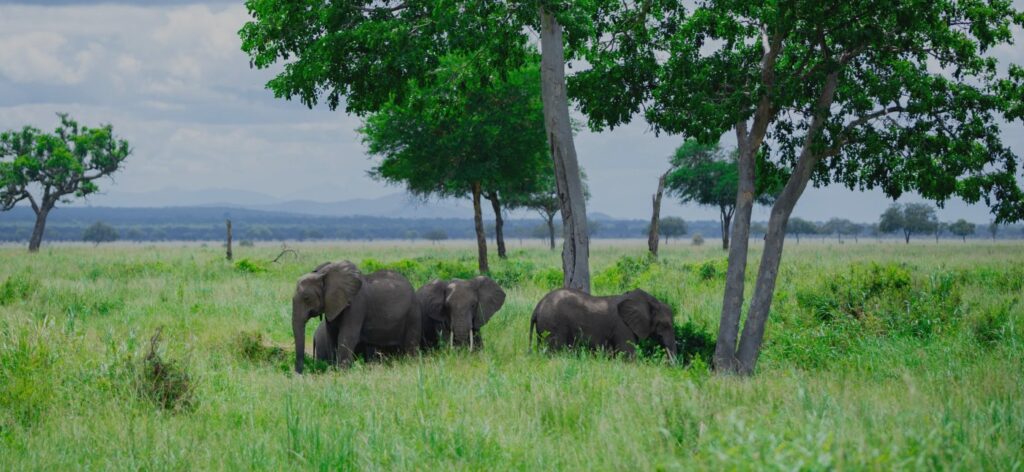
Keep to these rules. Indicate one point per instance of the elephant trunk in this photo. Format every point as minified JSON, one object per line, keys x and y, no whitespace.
{"x":462,"y":333}
{"x":299,"y":331}
{"x":669,"y":343}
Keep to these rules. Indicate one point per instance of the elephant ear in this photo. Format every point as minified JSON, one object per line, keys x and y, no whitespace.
{"x":490,"y":299}
{"x":635,"y":311}
{"x":342,"y":281}
{"x":431,"y":299}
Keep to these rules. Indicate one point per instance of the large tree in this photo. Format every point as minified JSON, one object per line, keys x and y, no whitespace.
{"x":910,"y":219}
{"x":707,"y":175}
{"x":46,"y":168}
{"x":901,"y":96}
{"x":464,"y":136}
{"x":367,"y":54}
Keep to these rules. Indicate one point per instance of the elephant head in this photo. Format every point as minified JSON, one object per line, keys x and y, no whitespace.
{"x":462,"y":306}
{"x":648,"y":317}
{"x":328,"y":290}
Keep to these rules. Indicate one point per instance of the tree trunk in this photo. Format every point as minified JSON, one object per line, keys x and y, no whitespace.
{"x":576,"y":244}
{"x":732,"y":303}
{"x":906,"y":235}
{"x":481,"y":238}
{"x":652,"y":235}
{"x":760,"y":304}
{"x":726,"y":219}
{"x":551,"y":229}
{"x":229,"y":239}
{"x":499,"y":224}
{"x":39,"y":228}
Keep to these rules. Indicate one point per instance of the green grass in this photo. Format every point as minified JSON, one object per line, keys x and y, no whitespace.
{"x":877,"y":356}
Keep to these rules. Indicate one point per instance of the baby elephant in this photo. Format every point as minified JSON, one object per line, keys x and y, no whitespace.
{"x":616,"y":323}
{"x":456,"y":310}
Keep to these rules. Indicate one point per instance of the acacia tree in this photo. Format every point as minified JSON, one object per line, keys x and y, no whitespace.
{"x":993,"y":229}
{"x":544,"y":199}
{"x":464,"y":136}
{"x":840,"y":227}
{"x":99,"y":232}
{"x":368,"y":53}
{"x":671,"y":226}
{"x":962,"y":228}
{"x":707,"y":175}
{"x":911,"y":218}
{"x":798,"y":226}
{"x":46,"y":168}
{"x":900,"y":96}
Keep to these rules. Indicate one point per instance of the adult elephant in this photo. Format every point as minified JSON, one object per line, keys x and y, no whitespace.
{"x":377,"y":310}
{"x":456,"y":310}
{"x":617,"y":323}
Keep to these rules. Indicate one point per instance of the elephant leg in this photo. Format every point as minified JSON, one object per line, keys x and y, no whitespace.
{"x":477,"y":340}
{"x":349,"y":335}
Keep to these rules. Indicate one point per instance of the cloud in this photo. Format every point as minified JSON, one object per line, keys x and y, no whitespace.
{"x":42,"y":56}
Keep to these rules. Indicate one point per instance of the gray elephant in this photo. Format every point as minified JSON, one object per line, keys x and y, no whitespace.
{"x":456,"y":310}
{"x":377,"y":310}
{"x":617,"y":323}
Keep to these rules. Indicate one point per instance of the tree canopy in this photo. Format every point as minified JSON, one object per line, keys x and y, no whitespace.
{"x":46,"y":168}
{"x":99,"y":232}
{"x":962,"y":228}
{"x":910,"y":218}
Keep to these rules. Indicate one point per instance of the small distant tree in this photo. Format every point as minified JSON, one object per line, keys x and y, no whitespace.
{"x":410,"y":235}
{"x":962,"y":228}
{"x":940,"y":227}
{"x":698,"y":239}
{"x":669,"y":227}
{"x":840,"y":227}
{"x":798,"y":226}
{"x":46,"y":168}
{"x":545,"y":200}
{"x":99,"y":232}
{"x":707,"y":175}
{"x":435,"y":235}
{"x":993,"y":229}
{"x":758,"y":229}
{"x":910,"y":218}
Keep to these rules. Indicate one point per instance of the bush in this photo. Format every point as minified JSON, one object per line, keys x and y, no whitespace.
{"x":17,"y":288}
{"x":550,"y":278}
{"x":512,"y":273}
{"x":165,"y":383}
{"x":624,"y":274}
{"x":250,"y":266}
{"x":99,"y":232}
{"x":251,"y":346}
{"x":698,"y":239}
{"x":712,"y":269}
{"x":693,"y":341}
{"x":989,"y":328}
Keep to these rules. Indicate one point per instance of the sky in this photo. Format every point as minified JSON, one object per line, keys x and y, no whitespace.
{"x":170,"y":76}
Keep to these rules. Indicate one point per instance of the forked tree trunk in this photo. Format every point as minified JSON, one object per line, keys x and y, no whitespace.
{"x":481,"y":238}
{"x":499,"y":224}
{"x":767,"y":275}
{"x":37,"y":231}
{"x":551,"y":229}
{"x":652,"y":235}
{"x":726,"y":220}
{"x":576,"y":244}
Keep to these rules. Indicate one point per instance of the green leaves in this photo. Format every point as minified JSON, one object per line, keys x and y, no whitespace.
{"x":65,"y":162}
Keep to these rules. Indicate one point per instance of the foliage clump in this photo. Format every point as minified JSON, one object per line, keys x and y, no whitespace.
{"x":250,"y":266}
{"x":17,"y":287}
{"x":251,"y":346}
{"x":165,"y":383}
{"x":624,"y":274}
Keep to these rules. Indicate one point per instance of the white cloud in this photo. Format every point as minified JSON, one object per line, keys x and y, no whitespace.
{"x":42,"y":56}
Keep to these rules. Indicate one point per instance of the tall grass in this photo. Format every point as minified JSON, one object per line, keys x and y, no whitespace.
{"x":878,"y":356}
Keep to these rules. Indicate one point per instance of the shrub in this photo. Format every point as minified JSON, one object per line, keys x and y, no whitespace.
{"x":251,"y":346}
{"x":989,"y":328}
{"x":250,"y":266}
{"x":165,"y":383}
{"x":694,"y":341}
{"x":623,"y":275}
{"x":512,"y":272}
{"x":712,"y":269}
{"x":698,"y":239}
{"x":17,"y":287}
{"x":550,"y":278}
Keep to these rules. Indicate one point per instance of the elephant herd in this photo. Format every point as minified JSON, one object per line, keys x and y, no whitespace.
{"x":380,"y":313}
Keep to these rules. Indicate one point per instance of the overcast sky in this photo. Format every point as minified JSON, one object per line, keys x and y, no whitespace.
{"x":171,"y":78}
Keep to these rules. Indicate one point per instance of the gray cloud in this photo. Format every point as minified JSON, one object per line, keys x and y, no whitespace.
{"x":171,"y":78}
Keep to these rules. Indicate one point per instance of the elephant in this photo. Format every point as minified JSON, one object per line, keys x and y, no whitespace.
{"x":457,"y":309}
{"x":365,"y":311}
{"x":617,"y":323}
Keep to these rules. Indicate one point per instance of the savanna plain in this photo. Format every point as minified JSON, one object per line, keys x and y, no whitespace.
{"x":879,"y":356}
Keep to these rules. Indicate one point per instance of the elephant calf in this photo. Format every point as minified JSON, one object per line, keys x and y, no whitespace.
{"x":617,"y":323}
{"x":457,"y":309}
{"x":360,"y":311}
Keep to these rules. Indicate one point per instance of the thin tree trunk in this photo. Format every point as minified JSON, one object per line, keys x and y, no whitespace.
{"x":499,"y":224}
{"x":726,"y":220}
{"x":576,"y":244}
{"x":760,"y":304}
{"x":906,"y":235}
{"x":551,"y":229}
{"x":732,"y":303}
{"x":481,"y":238}
{"x":652,"y":235}
{"x":229,"y":239}
{"x":38,"y":229}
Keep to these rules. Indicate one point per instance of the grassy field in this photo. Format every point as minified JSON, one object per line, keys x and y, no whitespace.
{"x":878,"y":356}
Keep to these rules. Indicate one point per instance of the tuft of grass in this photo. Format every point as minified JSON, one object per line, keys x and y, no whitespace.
{"x":18,"y":287}
{"x":165,"y":383}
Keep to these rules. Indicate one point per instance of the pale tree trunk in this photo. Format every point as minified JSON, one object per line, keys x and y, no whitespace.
{"x":576,"y":244}
{"x":229,"y":239}
{"x":652,"y":235}
{"x":481,"y":237}
{"x":551,"y":230}
{"x":499,"y":224}
{"x":764,"y":290}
